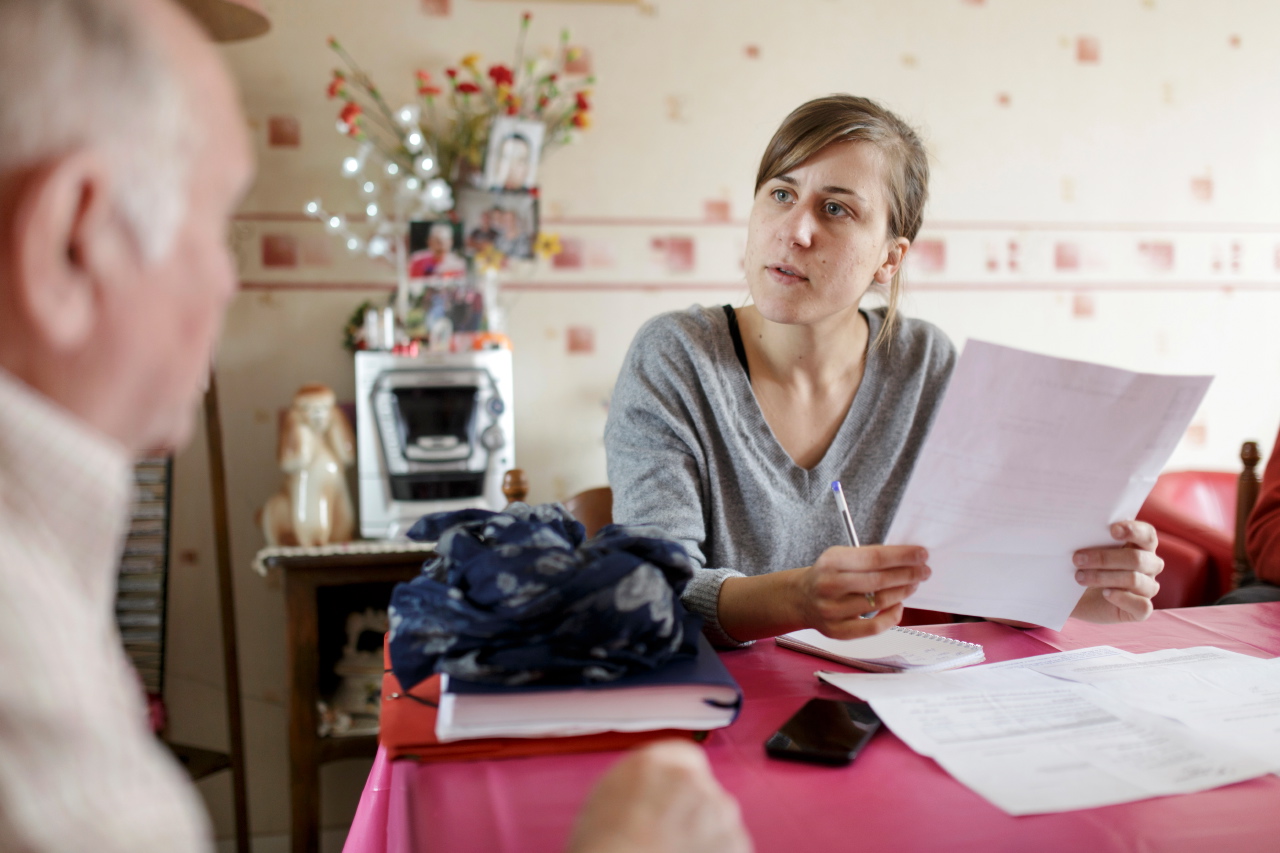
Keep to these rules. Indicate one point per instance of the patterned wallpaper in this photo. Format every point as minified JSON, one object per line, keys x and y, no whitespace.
{"x":1106,"y":186}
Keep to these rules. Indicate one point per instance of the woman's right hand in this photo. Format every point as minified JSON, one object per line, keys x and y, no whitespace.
{"x":834,"y":594}
{"x":830,"y":595}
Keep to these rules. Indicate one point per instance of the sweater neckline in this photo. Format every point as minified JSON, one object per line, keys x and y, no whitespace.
{"x":854,"y":418}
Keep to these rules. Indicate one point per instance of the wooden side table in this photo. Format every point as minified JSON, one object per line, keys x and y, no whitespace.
{"x":308,"y":581}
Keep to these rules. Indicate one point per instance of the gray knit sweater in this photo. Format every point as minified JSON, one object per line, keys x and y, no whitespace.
{"x":690,"y":452}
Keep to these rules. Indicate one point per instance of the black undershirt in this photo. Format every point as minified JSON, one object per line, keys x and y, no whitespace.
{"x":736,"y":336}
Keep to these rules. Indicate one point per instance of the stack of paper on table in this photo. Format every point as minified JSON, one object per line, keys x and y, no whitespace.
{"x":895,"y":650}
{"x":697,"y":694}
{"x":1090,"y":727}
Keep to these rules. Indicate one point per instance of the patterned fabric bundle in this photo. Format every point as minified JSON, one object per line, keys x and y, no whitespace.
{"x":517,"y":597}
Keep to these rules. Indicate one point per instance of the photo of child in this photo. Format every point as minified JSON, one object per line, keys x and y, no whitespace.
{"x":511,"y":162}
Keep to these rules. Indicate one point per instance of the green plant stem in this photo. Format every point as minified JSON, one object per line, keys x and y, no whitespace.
{"x":365,"y":82}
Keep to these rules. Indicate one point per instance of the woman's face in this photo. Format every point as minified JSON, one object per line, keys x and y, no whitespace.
{"x":818,"y":236}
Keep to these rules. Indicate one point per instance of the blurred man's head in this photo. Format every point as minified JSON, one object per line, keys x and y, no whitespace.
{"x":123,"y":155}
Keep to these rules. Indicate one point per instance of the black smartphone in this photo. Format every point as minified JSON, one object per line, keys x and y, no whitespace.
{"x":825,"y":731}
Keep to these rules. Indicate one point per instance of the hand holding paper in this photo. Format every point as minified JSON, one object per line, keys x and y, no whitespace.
{"x":1030,"y":460}
{"x":1121,"y":580}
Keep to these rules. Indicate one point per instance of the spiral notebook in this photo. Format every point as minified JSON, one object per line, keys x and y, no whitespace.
{"x":895,"y":650}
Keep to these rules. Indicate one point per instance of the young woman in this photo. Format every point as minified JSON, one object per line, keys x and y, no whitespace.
{"x":728,"y":426}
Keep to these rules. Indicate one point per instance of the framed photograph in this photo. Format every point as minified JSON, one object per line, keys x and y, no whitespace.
{"x":506,"y":221}
{"x":436,"y":256}
{"x":462,"y":307}
{"x":511,"y":162}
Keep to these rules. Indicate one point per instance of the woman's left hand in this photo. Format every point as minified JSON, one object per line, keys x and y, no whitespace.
{"x":1119,"y":582}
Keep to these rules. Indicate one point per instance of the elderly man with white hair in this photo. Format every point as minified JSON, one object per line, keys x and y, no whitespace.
{"x":123,"y":154}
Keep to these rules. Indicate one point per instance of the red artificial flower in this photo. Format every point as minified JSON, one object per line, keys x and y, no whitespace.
{"x":583,"y":103}
{"x":429,"y":91}
{"x":524,"y":19}
{"x":502,"y":75}
{"x":423,"y":77}
{"x":335,"y":88}
{"x":452,"y":73}
{"x":551,"y":78}
{"x":468,"y":88}
{"x":350,"y":112}
{"x":543,"y":101}
{"x":333,"y":42}
{"x":582,"y":120}
{"x":512,"y":108}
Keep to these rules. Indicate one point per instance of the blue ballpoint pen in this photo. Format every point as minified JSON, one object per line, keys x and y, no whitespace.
{"x":852,"y":533}
{"x":844,"y":514}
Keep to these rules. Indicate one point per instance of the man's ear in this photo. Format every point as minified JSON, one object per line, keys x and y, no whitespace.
{"x":893,"y":261}
{"x":65,"y":242}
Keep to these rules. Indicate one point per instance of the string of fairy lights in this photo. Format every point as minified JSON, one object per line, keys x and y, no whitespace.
{"x":406,"y":158}
{"x":397,"y":185}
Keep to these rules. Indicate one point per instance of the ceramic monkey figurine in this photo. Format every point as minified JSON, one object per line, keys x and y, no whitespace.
{"x":313,"y":506}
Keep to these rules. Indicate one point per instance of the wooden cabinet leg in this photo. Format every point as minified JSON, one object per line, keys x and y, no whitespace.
{"x":304,"y":577}
{"x":304,"y":666}
{"x":304,"y":799}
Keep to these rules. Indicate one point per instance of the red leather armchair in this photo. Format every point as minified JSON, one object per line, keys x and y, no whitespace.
{"x":1194,"y":513}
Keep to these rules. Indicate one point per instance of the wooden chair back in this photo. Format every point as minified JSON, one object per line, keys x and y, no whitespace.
{"x":592,"y":507}
{"x":1246,"y":497}
{"x":515,"y":485}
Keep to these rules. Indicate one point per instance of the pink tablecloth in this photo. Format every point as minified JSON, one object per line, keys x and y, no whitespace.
{"x":890,"y":799}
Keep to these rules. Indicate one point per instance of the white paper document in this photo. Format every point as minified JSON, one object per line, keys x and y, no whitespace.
{"x":1232,"y":696}
{"x":1033,"y":744}
{"x":1030,"y":459}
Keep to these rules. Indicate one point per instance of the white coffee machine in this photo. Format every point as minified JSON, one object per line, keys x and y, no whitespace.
{"x":435,"y":432}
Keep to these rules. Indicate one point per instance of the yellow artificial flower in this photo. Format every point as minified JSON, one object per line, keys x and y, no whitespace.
{"x":547,"y":245}
{"x":489,"y":259}
{"x":472,"y":62}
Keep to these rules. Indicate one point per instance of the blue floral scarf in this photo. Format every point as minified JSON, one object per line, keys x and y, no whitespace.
{"x":518,"y":597}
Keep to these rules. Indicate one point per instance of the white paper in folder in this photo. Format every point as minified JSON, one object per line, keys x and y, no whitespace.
{"x":1030,"y":459}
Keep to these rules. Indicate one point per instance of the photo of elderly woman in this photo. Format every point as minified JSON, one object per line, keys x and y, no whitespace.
{"x":435,"y":251}
{"x":512,"y":159}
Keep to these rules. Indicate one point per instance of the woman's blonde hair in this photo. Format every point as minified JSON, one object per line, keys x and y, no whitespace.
{"x":813,"y":126}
